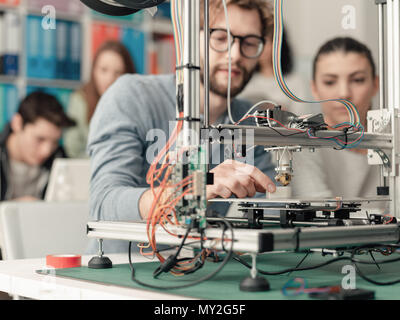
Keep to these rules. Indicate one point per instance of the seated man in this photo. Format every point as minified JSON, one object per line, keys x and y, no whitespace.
{"x":28,"y":146}
{"x":134,"y":105}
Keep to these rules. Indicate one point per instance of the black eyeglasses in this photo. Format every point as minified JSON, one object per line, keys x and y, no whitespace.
{"x":251,"y":46}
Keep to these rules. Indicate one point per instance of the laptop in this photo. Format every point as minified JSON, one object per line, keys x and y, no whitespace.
{"x":69,"y":180}
{"x":35,"y":229}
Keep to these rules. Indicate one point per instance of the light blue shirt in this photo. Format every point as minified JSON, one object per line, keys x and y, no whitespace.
{"x":118,"y":142}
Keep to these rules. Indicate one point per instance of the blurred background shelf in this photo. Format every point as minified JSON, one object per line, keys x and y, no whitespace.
{"x":59,"y":60}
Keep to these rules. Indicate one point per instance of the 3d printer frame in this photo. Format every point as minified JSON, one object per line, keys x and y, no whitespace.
{"x":311,"y":232}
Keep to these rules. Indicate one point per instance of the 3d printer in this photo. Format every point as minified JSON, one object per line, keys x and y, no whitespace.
{"x":179,"y":210}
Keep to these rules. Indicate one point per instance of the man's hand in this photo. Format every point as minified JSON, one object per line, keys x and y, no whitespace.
{"x":235,"y":178}
{"x":230,"y":178}
{"x":147,"y":199}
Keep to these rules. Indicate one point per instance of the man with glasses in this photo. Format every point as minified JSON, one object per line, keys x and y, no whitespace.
{"x":119,"y":140}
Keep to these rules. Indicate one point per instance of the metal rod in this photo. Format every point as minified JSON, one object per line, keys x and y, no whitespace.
{"x":264,"y":136}
{"x":206,"y":120}
{"x":394,"y":189}
{"x":381,"y":57}
{"x":396,"y":54}
{"x":255,"y":240}
{"x":191,"y":84}
{"x":393,"y":73}
{"x":297,"y":223}
{"x":271,"y":221}
{"x":389,"y":52}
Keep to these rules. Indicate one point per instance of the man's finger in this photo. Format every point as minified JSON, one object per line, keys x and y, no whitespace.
{"x":261,"y":181}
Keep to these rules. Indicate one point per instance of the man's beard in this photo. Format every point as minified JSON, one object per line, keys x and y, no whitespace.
{"x":221,"y":90}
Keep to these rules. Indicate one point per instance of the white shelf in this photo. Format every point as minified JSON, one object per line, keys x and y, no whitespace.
{"x":8,"y":79}
{"x":54,"y":83}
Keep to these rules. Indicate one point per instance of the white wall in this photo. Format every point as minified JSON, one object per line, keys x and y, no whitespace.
{"x":310,"y":23}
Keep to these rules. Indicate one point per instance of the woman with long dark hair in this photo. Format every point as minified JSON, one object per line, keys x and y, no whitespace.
{"x":343,"y":68}
{"x":111,"y":60}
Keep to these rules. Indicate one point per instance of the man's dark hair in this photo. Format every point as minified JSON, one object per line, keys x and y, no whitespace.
{"x":39,"y":104}
{"x":346,"y":45}
{"x":286,"y":55}
{"x":287,"y":63}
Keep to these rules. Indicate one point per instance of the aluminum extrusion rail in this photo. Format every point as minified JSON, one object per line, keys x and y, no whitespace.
{"x":254,"y":241}
{"x":265,"y":136}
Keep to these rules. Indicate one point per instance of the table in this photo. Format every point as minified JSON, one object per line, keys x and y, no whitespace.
{"x":19,"y":277}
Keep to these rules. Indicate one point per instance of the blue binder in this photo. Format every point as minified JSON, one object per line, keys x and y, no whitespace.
{"x":33,"y":45}
{"x":63,"y":96}
{"x":11,"y":25}
{"x":62,"y":49}
{"x":135,"y":42}
{"x":10,"y":100}
{"x":75,"y":50}
{"x":48,"y":54}
{"x":3,"y":115}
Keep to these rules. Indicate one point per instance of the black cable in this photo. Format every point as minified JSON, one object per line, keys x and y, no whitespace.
{"x":351,"y":258}
{"x":301,"y":261}
{"x":289,"y":270}
{"x":207,"y":277}
{"x":285,"y":135}
{"x":343,"y":146}
{"x":172,"y":261}
{"x":378,"y":283}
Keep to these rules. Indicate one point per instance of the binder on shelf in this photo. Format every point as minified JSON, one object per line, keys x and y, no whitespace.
{"x":10,"y":2}
{"x":152,"y":59}
{"x":3,"y":115}
{"x":33,"y":45}
{"x":11,"y":24}
{"x":62,"y":54}
{"x":163,"y":55}
{"x":2,"y":41}
{"x":135,"y":42}
{"x":75,"y":47}
{"x":102,"y":32}
{"x":63,"y":96}
{"x":163,"y":11}
{"x":68,"y":72}
{"x":48,"y":56}
{"x":30,"y":89}
{"x":10,"y":100}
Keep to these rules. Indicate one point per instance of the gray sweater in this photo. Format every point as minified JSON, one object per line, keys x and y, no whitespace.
{"x":118,"y":143}
{"x":329,"y":173}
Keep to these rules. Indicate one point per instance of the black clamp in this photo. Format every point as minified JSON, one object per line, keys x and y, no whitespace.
{"x":296,"y":235}
{"x":188,"y":119}
{"x":189,"y":66}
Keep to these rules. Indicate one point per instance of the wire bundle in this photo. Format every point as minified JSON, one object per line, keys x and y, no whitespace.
{"x":336,"y":139}
{"x":176,"y":17}
{"x":168,"y":193}
{"x":384,"y":249}
{"x":354,"y":123}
